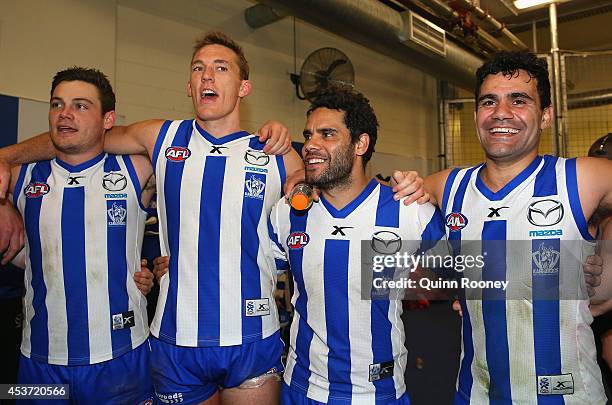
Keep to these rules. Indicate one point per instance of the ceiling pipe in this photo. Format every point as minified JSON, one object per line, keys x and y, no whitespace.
{"x":380,"y":28}
{"x":589,"y":99}
{"x":492,"y":22}
{"x":451,"y":24}
{"x":494,"y":44}
{"x":510,"y":6}
{"x":444,"y":10}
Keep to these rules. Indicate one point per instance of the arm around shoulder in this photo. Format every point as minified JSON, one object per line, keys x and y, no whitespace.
{"x":434,"y":185}
{"x":31,"y":150}
{"x":34,"y":149}
{"x":12,"y":236}
{"x":293,"y":162}
{"x":134,"y":139}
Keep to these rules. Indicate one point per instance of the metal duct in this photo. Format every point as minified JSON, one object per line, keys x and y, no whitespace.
{"x":259,"y":16}
{"x":378,"y":27}
{"x":589,"y":99}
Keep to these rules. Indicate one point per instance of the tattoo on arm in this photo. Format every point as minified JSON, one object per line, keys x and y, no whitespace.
{"x":150,"y":184}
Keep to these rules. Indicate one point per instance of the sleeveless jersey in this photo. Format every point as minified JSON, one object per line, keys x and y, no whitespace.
{"x":532,"y":343}
{"x":342,"y":346}
{"x":84,"y":226}
{"x":214,"y":198}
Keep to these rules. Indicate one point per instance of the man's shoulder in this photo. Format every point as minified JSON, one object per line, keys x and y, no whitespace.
{"x":131,"y":158}
{"x":161,"y":126}
{"x":419,"y":212}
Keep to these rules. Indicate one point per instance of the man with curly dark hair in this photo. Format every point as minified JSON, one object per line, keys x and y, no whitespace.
{"x":360,"y":119}
{"x":343,"y":348}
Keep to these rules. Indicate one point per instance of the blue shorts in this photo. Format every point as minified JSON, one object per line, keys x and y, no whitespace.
{"x":190,"y":375}
{"x":124,"y":380}
{"x":291,"y":396}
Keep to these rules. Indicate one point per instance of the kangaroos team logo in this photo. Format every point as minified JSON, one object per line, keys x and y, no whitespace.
{"x":297,"y":240}
{"x":545,"y":259}
{"x":36,"y":189}
{"x":254,"y":186}
{"x":117,"y":213}
{"x":177,"y":153}
{"x":456,"y":221}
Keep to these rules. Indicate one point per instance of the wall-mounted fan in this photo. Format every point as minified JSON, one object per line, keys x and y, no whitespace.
{"x":323,"y":68}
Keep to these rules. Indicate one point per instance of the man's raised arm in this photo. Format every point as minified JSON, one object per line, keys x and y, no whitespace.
{"x":134,"y":139}
{"x":31,"y":150}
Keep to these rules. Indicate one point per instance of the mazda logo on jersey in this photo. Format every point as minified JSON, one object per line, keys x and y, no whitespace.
{"x":36,"y":189}
{"x":256,"y":157}
{"x":456,"y":221}
{"x":386,"y":242}
{"x":545,"y":212}
{"x":297,"y":240}
{"x":114,"y":181}
{"x":177,"y":153}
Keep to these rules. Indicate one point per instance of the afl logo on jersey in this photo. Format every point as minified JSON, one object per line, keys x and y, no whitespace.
{"x":36,"y":189}
{"x":456,"y":221}
{"x":177,"y":153}
{"x":297,"y":240}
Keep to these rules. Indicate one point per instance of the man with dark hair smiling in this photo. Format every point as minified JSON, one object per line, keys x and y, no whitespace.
{"x":533,"y":350}
{"x":344,"y":349}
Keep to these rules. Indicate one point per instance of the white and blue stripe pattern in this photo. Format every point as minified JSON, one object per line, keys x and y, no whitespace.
{"x":81,"y":262}
{"x":510,"y":345}
{"x":336,"y":336}
{"x":214,"y":197}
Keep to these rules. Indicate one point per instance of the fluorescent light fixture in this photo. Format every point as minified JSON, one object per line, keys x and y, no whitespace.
{"x":522,"y":4}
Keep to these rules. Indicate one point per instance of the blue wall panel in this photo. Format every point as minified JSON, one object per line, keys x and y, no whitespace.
{"x":9,"y":115}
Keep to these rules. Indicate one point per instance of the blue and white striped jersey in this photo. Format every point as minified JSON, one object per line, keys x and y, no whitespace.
{"x":532,"y":343}
{"x":214,"y":198}
{"x":342,"y":346}
{"x":84,"y":227}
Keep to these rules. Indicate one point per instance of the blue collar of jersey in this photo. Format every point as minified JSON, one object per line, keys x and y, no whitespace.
{"x":350,"y":207}
{"x":82,"y":166}
{"x":501,"y":194}
{"x":223,"y":139}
